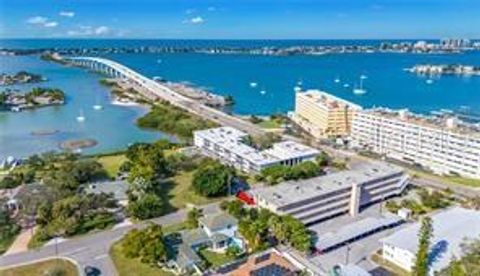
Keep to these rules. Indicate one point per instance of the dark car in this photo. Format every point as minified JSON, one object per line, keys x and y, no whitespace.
{"x":92,"y":271}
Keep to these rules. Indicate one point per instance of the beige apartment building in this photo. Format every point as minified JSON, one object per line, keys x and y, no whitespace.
{"x":323,"y":115}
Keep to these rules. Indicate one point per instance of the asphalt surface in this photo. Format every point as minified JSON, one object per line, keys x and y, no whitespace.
{"x":92,"y":249}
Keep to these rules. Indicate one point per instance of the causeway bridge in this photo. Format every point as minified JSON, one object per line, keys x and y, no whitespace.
{"x":157,"y":91}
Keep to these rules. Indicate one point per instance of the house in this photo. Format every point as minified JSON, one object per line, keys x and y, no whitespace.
{"x":118,"y":189}
{"x":222,"y":230}
{"x":217,"y":232}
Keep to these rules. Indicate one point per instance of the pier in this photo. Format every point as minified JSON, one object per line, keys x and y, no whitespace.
{"x":157,"y":91}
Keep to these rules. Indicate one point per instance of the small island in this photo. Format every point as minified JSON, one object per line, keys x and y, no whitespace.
{"x":445,"y":69}
{"x":38,"y":97}
{"x":21,"y":77}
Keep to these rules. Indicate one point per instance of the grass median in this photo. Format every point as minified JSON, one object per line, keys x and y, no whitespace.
{"x":50,"y":267}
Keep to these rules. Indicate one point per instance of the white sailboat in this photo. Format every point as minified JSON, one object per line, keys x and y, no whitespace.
{"x":297,"y":89}
{"x":346,"y":85}
{"x":360,"y":90}
{"x":336,"y":80}
{"x":81,"y":117}
{"x":97,"y":105}
{"x":253,"y":84}
{"x":429,"y":81}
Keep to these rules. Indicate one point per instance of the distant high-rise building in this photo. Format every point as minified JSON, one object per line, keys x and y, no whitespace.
{"x":455,"y":43}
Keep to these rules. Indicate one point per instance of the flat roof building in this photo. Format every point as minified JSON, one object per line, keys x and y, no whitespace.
{"x":450,"y":229}
{"x":443,"y":144}
{"x":315,"y":199}
{"x":227,"y":144}
{"x":323,"y":115}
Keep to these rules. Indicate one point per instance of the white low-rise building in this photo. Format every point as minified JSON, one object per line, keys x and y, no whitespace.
{"x":319,"y":198}
{"x":227,"y":144}
{"x":444,"y":145}
{"x":451,"y":228}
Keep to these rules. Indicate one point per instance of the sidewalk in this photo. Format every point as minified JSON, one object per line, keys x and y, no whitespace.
{"x":21,"y":242}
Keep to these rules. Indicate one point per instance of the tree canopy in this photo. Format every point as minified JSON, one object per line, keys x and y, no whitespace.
{"x":147,"y":244}
{"x":212,"y":179}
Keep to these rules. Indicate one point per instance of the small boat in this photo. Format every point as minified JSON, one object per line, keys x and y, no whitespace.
{"x":429,"y":81}
{"x":346,"y":85}
{"x":299,"y":83}
{"x":263,"y":92}
{"x":80,"y":117}
{"x":359,"y":90}
{"x":253,"y":84}
{"x":363,"y":77}
{"x":159,"y":61}
{"x":297,"y":89}
{"x":337,"y":80}
{"x":97,"y":105}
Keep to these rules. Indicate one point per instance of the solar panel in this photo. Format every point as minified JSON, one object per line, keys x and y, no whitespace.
{"x":262,"y":258}
{"x":271,"y":270}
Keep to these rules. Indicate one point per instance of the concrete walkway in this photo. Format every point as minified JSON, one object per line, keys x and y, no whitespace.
{"x":21,"y":242}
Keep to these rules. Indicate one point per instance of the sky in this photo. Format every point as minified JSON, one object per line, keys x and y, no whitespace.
{"x":240,"y":19}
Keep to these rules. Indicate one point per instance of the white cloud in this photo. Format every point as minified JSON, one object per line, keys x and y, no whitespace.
{"x":197,"y":20}
{"x":42,"y":21}
{"x":102,"y":30}
{"x":67,"y":13}
{"x":89,"y":31}
{"x":51,"y":24}
{"x":37,"y":20}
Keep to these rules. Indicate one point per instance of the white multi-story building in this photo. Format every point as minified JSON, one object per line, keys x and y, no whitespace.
{"x":450,"y":229}
{"x":228,"y":145}
{"x":319,"y":198}
{"x":444,"y":145}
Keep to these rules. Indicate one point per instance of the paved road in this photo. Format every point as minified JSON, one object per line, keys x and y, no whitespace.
{"x":155,"y":90}
{"x":92,"y":249}
{"x":464,"y":191}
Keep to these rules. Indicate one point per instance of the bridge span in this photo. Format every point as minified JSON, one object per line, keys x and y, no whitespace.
{"x":157,"y":91}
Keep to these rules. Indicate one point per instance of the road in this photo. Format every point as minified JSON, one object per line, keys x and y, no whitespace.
{"x":155,"y":90}
{"x":93,"y":249}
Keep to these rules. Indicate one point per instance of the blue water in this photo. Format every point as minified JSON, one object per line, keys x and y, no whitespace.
{"x":387,"y":85}
{"x":113,"y":127}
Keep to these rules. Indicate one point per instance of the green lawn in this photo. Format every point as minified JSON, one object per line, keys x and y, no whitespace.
{"x":269,"y":124}
{"x":215,"y":259}
{"x":112,"y":163}
{"x":128,"y":267}
{"x":42,"y":268}
{"x":8,"y":239}
{"x":180,"y":192}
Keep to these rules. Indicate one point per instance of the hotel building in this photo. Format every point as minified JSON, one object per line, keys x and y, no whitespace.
{"x":319,"y":198}
{"x":323,"y":115}
{"x":444,"y":145}
{"x":227,"y":144}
